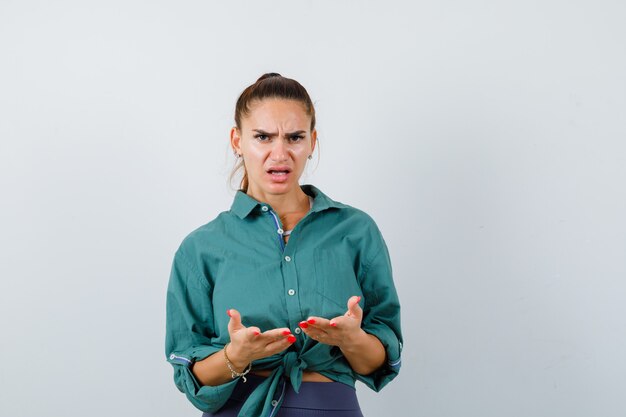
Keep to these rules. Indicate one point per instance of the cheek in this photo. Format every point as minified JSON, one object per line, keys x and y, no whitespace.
{"x":302,"y":151}
{"x":255,"y":156}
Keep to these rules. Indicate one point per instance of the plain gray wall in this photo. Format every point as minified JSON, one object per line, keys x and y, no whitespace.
{"x":486,"y":138}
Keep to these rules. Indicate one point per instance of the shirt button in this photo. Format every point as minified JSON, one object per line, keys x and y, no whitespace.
{"x":274,"y":403}
{"x":264,"y":208}
{"x":297,"y":330}
{"x":291,"y":292}
{"x":280,"y":231}
{"x":288,"y":258}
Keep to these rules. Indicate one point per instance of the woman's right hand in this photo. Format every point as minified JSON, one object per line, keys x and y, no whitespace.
{"x":248,"y":343}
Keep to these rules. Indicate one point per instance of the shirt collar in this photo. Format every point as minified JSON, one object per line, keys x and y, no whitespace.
{"x":243,"y":204}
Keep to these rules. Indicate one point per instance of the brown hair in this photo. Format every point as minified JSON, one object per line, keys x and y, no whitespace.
{"x":269,"y":85}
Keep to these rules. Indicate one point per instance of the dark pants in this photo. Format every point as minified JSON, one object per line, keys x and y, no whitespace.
{"x":315,"y":399}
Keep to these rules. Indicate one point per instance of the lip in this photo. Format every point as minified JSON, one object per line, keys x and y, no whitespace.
{"x":279,"y":168}
{"x":279,"y":178}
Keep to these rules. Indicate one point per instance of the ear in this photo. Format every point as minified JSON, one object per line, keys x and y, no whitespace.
{"x":235,"y":139}
{"x":313,"y":140}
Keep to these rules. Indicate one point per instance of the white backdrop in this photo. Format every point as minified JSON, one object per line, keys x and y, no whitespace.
{"x":486,"y":138}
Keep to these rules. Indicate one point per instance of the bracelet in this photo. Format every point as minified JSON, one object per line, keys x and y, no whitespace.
{"x":234,"y":373}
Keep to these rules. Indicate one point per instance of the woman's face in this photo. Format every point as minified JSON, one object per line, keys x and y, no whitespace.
{"x":275,"y":141}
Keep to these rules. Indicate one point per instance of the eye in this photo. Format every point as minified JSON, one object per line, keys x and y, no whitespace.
{"x":261,"y":137}
{"x":296,"y":138}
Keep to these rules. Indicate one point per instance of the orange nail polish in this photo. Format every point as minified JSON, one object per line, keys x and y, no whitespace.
{"x":304,"y":324}
{"x":311,"y":321}
{"x":286,"y":332}
{"x":291,"y":339}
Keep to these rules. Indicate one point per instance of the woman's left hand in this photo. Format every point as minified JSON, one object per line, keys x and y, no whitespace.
{"x":338,"y":331}
{"x":363,"y":351}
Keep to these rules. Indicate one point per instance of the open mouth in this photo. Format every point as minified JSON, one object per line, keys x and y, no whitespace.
{"x":279,"y":171}
{"x":279,"y":174}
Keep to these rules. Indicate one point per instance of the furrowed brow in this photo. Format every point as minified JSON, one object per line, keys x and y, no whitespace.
{"x":297,"y":132}
{"x":263,"y":132}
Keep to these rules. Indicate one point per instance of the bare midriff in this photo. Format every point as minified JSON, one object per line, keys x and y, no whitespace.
{"x":307,"y":376}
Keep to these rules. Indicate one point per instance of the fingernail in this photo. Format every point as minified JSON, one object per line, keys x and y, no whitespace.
{"x":311,"y":321}
{"x":358,"y":299}
{"x":304,"y":324}
{"x":256,"y":333}
{"x":291,"y":339}
{"x":286,"y":332}
{"x":333,"y":324}
{"x":228,"y":312}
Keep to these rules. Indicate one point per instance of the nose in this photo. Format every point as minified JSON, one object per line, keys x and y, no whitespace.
{"x":279,"y":151}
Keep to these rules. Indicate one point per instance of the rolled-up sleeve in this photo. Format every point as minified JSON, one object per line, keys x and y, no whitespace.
{"x":381,"y":314}
{"x":189,"y":330}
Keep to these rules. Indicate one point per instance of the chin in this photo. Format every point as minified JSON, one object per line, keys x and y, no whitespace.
{"x":280,"y":188}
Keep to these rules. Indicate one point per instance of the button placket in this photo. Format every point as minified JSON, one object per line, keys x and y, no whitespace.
{"x":290,"y":278}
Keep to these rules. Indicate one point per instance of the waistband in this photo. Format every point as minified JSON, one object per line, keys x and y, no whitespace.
{"x":311,"y":395}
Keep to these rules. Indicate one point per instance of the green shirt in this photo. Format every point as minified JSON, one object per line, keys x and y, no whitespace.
{"x":239,"y":260}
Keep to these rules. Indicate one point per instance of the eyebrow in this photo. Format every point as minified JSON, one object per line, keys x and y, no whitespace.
{"x":263,"y":132}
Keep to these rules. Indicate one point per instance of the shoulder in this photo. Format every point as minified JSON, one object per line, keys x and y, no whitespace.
{"x":345,"y":218}
{"x":342,"y":210}
{"x":356,"y":216}
{"x":206,"y":235}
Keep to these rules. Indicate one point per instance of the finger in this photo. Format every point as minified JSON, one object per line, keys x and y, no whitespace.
{"x":253,"y":331}
{"x":276,"y":334}
{"x":323,"y":337}
{"x":334,"y":322}
{"x":354,"y":309}
{"x":279,"y":345}
{"x":342,"y":321}
{"x":315,"y":333}
{"x":234,"y":323}
{"x":317,"y":322}
{"x":244,"y":334}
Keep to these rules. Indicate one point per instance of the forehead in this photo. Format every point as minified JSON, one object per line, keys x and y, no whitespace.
{"x":273,"y":113}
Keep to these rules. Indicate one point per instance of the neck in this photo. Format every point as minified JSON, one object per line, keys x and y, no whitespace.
{"x":294,"y":201}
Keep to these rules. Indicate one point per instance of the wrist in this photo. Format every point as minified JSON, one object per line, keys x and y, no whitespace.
{"x":354,"y":342}
{"x":236,"y":358}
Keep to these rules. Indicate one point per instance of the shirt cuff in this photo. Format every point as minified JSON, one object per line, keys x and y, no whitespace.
{"x":203,"y":397}
{"x":393,"y":348}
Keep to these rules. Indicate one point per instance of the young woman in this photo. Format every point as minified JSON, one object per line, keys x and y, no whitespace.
{"x":277,"y":306}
